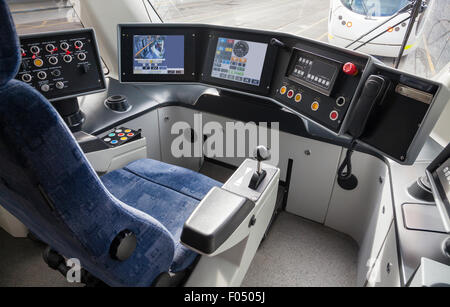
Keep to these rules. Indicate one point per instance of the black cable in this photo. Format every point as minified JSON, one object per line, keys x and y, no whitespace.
{"x":347,"y":163}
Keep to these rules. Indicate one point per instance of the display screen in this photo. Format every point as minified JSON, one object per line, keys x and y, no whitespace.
{"x":239,"y":61}
{"x":158,"y":54}
{"x":443,"y":173}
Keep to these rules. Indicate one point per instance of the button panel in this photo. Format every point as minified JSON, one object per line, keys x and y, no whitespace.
{"x":117,"y":136}
{"x":61,"y":64}
{"x":325,"y":110}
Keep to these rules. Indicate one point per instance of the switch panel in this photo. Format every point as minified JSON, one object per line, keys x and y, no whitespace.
{"x":61,"y":64}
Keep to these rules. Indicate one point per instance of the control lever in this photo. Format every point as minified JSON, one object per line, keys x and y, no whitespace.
{"x":277,"y":43}
{"x":261,"y":153}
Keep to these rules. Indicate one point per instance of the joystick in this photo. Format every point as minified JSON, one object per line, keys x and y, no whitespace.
{"x":261,"y":153}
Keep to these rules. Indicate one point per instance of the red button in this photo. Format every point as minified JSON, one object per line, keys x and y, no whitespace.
{"x":350,"y":69}
{"x":334,"y":115}
{"x":121,"y":134}
{"x":130,"y":134}
{"x":290,"y":93}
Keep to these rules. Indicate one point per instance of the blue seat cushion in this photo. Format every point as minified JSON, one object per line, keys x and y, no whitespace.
{"x":177,"y":178}
{"x":157,"y":189}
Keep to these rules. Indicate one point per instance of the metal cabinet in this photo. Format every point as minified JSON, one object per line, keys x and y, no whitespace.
{"x":385,"y":271}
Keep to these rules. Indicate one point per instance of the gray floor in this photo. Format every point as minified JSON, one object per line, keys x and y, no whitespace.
{"x":21,"y":264}
{"x":301,"y":253}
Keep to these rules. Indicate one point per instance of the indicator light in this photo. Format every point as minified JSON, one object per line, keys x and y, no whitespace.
{"x":349,"y":24}
{"x":315,"y":106}
{"x":283,"y":90}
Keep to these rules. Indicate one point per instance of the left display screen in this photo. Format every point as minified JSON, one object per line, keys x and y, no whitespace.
{"x":158,"y":54}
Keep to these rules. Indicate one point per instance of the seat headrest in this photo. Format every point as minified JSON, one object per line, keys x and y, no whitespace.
{"x":9,"y":45}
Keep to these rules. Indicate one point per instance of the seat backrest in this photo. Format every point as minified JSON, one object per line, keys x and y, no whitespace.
{"x":48,"y":184}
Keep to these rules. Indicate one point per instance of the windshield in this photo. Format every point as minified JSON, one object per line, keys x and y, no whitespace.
{"x":298,"y":17}
{"x":375,"y":7}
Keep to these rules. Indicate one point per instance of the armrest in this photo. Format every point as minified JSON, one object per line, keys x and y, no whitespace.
{"x":217,"y":216}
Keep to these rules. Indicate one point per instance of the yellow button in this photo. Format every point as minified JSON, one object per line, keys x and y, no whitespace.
{"x":38,"y":62}
{"x":283,"y":90}
{"x":315,"y":106}
{"x":127,"y":130}
{"x":298,"y":97}
{"x":123,"y":138}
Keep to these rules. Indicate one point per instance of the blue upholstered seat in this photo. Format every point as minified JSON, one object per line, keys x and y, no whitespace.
{"x":48,"y":184}
{"x":166,"y":192}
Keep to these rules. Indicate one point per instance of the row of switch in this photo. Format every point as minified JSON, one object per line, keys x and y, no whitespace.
{"x":42,"y":75}
{"x":52,"y":48}
{"x":53,"y":60}
{"x":59,"y":85}
{"x":314,"y":106}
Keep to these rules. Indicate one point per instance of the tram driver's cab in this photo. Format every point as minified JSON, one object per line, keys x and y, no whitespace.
{"x":106,"y":170}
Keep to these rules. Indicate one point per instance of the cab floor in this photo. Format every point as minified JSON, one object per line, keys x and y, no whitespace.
{"x":301,"y":253}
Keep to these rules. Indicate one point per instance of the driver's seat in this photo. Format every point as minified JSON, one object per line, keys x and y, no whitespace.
{"x":48,"y":184}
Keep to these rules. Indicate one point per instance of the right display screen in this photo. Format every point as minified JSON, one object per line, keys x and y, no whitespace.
{"x":239,"y":60}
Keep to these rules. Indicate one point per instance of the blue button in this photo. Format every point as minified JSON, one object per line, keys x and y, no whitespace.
{"x":111,"y":134}
{"x":114,"y":142}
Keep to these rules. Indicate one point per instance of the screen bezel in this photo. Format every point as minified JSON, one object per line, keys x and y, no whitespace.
{"x":266,"y":75}
{"x":126,"y":63}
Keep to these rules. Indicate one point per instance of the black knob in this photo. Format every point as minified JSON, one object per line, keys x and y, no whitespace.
{"x":118,"y":103}
{"x":446,"y":247}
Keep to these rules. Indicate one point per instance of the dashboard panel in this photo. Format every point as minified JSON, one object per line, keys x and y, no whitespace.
{"x":61,"y":64}
{"x":345,"y":92}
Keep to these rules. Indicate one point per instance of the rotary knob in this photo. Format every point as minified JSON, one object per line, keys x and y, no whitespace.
{"x":59,"y":85}
{"x":118,"y":103}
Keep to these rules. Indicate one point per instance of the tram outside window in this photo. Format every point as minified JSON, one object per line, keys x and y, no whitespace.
{"x":375,"y":8}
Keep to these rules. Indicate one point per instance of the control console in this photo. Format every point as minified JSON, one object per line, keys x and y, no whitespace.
{"x":347,"y":93}
{"x":319,"y":87}
{"x":61,"y":64}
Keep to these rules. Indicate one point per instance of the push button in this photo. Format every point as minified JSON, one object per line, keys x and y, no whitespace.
{"x":121,"y":134}
{"x":114,"y":142}
{"x":290,"y":94}
{"x":118,"y":130}
{"x":123,"y":138}
{"x":128,"y":130}
{"x":298,"y":97}
{"x":130,"y":134}
{"x":107,"y":139}
{"x":334,"y":115}
{"x":283,"y":90}
{"x":315,"y":106}
{"x":38,"y":62}
{"x":111,"y":134}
